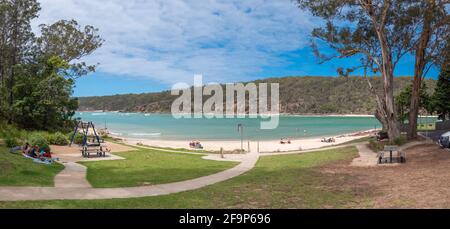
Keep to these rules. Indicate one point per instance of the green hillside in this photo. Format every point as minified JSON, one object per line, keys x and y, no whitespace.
{"x":298,"y":95}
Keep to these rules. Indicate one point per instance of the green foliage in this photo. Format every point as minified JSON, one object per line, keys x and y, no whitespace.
{"x":57,"y":138}
{"x":37,"y":139}
{"x":11,"y":142}
{"x":44,"y":102}
{"x":441,"y":96}
{"x":403,"y":100}
{"x":78,"y":138}
{"x":37,"y":72}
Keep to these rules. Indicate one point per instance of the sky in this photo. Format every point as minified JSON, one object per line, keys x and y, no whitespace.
{"x":152,"y":44}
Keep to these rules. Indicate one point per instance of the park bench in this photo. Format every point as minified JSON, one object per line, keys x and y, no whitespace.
{"x":386,"y":155}
{"x":86,"y":151}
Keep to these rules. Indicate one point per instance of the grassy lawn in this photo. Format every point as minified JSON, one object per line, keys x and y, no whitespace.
{"x":178,"y":149}
{"x":288,"y":181}
{"x":17,"y":170}
{"x":147,"y":166}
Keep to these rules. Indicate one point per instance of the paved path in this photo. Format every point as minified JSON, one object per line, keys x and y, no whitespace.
{"x":366,"y":157}
{"x":73,"y":176}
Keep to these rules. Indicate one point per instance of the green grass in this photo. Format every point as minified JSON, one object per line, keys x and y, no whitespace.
{"x":359,"y":140}
{"x":147,"y":166}
{"x":288,"y":181}
{"x":179,"y":149}
{"x":17,"y":170}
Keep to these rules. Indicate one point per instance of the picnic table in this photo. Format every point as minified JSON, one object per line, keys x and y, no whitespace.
{"x":400,"y":156}
{"x":98,"y":150}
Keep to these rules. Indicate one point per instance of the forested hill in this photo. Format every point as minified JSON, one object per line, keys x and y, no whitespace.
{"x":298,"y":95}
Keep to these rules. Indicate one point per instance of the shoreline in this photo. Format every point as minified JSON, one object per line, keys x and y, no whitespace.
{"x":263,"y":145}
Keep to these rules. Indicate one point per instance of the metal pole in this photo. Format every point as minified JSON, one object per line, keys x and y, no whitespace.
{"x":258,"y":146}
{"x":240,"y":127}
{"x":242,"y":139}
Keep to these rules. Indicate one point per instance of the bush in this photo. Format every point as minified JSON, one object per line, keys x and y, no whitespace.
{"x":11,"y":142}
{"x":78,"y":138}
{"x":59,"y":139}
{"x":399,"y":141}
{"x":36,"y":139}
{"x":50,"y":138}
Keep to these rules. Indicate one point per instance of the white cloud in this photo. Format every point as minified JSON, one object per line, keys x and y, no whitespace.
{"x":171,"y":40}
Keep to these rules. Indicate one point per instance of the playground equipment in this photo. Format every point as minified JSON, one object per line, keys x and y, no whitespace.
{"x":88,"y":146}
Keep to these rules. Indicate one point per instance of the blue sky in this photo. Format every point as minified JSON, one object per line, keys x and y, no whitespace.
{"x":153,"y":44}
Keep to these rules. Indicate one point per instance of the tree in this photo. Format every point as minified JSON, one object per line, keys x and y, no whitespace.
{"x":372,"y":30}
{"x":44,"y":100}
{"x":403,"y":99}
{"x":15,"y":43}
{"x":441,"y":96}
{"x":37,"y":73}
{"x":69,"y":41}
{"x":429,"y":38}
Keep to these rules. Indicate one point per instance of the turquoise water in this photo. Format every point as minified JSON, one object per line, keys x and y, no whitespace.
{"x":164,"y":126}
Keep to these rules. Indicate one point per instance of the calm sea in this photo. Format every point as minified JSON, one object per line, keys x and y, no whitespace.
{"x":164,"y":126}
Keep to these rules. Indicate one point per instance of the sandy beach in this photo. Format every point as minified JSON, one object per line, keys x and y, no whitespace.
{"x":264,"y":145}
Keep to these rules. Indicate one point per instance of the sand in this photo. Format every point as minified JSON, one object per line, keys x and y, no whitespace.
{"x":264,"y":146}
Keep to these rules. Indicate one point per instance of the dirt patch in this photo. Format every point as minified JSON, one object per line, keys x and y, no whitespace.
{"x":75,"y":149}
{"x":422,"y":182}
{"x":73,"y":153}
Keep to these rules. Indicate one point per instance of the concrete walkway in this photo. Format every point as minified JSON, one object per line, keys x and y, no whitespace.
{"x":73,"y":176}
{"x":366,"y":157}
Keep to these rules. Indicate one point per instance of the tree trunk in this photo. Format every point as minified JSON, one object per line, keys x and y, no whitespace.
{"x":419,"y":68}
{"x":414,"y":108}
{"x":393,"y":127}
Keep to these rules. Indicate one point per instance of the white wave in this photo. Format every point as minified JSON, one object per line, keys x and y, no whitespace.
{"x":145,"y":134}
{"x":97,"y":114}
{"x":117,"y":134}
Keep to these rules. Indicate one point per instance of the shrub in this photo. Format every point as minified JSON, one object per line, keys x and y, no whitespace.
{"x":77,"y":140}
{"x":11,"y":142}
{"x":36,"y":139}
{"x":50,"y":138}
{"x":59,"y":138}
{"x":399,"y":141}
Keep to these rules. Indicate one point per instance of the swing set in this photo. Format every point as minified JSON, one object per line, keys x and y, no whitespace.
{"x":88,"y":145}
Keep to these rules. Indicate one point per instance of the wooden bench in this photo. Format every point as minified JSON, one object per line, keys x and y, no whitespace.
{"x":383,"y":158}
{"x":86,"y":151}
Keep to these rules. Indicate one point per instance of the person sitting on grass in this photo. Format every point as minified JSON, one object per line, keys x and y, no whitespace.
{"x":33,"y":152}
{"x":25,"y":148}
